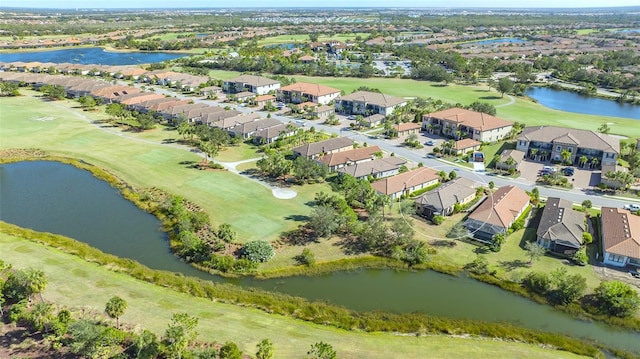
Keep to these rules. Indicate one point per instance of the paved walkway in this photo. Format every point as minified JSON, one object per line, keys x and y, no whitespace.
{"x":512,"y":100}
{"x":278,"y":192}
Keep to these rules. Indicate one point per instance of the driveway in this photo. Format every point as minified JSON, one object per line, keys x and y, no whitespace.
{"x":581,"y":179}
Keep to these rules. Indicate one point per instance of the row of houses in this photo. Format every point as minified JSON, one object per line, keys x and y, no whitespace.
{"x":245,"y":126}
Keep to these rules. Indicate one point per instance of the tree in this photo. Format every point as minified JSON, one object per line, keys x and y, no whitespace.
{"x":566,"y":156}
{"x":180,"y":333}
{"x":484,"y":107}
{"x":116,"y":110}
{"x":306,"y":169}
{"x":23,"y":284}
{"x":186,"y":129}
{"x":604,"y":128}
{"x":617,"y":298}
{"x":587,"y":238}
{"x":145,"y":121}
{"x":568,"y":287}
{"x":322,"y":350}
{"x":257,"y":251}
{"x":226,"y":234}
{"x":322,"y":221}
{"x":497,"y":240}
{"x":9,"y":89}
{"x":230,"y":350}
{"x":583,"y":160}
{"x":313,"y":37}
{"x":453,"y":175}
{"x":492,"y":185}
{"x":146,"y":345}
{"x":505,"y":84}
{"x":586,"y":204}
{"x":538,"y":282}
{"x":87,"y":102}
{"x":479,"y":266}
{"x":265,"y":349}
{"x":93,"y":340}
{"x":535,"y":251}
{"x":209,"y":149}
{"x":115,"y":308}
{"x":54,"y":92}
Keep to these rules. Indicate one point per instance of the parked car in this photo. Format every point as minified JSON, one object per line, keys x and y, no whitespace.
{"x":351,"y":117}
{"x":632,"y":207}
{"x":568,"y":171}
{"x":429,"y":143}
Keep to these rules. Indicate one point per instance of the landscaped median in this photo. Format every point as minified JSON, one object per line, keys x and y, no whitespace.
{"x":87,"y":283}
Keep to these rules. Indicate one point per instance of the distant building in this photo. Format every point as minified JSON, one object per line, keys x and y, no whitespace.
{"x":368,"y":103}
{"x":462,"y":123}
{"x":256,"y":84}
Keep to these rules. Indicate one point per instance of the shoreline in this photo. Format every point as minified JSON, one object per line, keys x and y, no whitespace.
{"x":345,"y":264}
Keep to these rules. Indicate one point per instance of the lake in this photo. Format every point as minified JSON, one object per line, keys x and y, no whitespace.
{"x":90,"y":55}
{"x":573,"y":102}
{"x":59,"y":198}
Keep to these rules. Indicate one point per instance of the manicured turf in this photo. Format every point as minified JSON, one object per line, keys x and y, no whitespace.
{"x":248,"y":206}
{"x":77,"y":284}
{"x":303,"y":38}
{"x":523,"y":110}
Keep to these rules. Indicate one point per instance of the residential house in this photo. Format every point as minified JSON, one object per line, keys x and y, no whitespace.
{"x":256,"y":84}
{"x":462,"y":123}
{"x":230,"y":122}
{"x":262,"y":100}
{"x":248,"y":129}
{"x":181,"y":110}
{"x":322,"y":111}
{"x":341,"y":159}
{"x":406,"y":183}
{"x":373,"y":120}
{"x":316,"y":149}
{"x":561,"y":227}
{"x":300,"y":92}
{"x":442,"y":200}
{"x":368,"y":103}
{"x":620,"y":237}
{"x":406,"y":129}
{"x":136,"y":98}
{"x":272,"y":134}
{"x":378,"y":168}
{"x":210,"y":91}
{"x":497,"y":213}
{"x":548,"y":143}
{"x":307,"y":59}
{"x":510,"y":159}
{"x":466,"y":145}
{"x":213,"y":118}
{"x":245,"y":96}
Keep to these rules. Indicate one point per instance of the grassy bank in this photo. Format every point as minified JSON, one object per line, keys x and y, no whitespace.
{"x":145,"y":160}
{"x":76,"y":283}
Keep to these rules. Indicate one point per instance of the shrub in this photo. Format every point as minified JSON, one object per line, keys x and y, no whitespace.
{"x":586,"y":238}
{"x":437,"y":219}
{"x":257,"y":251}
{"x":306,"y":258}
{"x":479,"y":266}
{"x":580,"y":257}
{"x":538,"y":282}
{"x":617,"y":298}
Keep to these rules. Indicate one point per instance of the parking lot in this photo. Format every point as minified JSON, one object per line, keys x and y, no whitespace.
{"x":581,"y":178}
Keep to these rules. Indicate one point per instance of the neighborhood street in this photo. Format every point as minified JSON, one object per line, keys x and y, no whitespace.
{"x":575,"y":195}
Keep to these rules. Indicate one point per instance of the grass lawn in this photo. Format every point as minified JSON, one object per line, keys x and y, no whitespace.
{"x":523,"y":110}
{"x":56,"y":127}
{"x":512,"y":262}
{"x":240,"y":152}
{"x":77,"y":284}
{"x":304,"y":38}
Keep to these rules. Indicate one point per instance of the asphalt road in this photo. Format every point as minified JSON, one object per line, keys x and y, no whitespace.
{"x":574,"y":195}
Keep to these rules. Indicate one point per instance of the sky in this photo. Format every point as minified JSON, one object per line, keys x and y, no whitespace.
{"x":104,"y":4}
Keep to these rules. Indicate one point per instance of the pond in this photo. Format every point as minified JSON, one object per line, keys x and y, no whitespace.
{"x":281,"y":46}
{"x":59,"y":198}
{"x":573,"y":102}
{"x":89,"y":55}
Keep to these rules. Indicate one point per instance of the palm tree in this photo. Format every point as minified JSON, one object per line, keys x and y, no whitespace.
{"x":533,"y":153}
{"x":510,"y":162}
{"x":594,"y":162}
{"x":583,"y":160}
{"x":566,"y":156}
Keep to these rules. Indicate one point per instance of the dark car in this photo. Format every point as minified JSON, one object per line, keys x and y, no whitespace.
{"x":568,"y":171}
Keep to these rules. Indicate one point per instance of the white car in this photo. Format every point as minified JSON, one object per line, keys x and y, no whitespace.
{"x":632,"y":207}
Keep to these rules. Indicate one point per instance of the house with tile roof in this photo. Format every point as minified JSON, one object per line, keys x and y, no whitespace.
{"x":548,"y":142}
{"x":256,"y":84}
{"x":378,"y":168}
{"x":620,"y":233}
{"x":561,"y":227}
{"x":465,"y":145}
{"x":316,"y":149}
{"x":497,"y":213}
{"x":462,"y":123}
{"x":406,"y":183}
{"x":300,"y":92}
{"x":341,"y":159}
{"x":406,"y":129}
{"x":368,"y":103}
{"x":442,"y":200}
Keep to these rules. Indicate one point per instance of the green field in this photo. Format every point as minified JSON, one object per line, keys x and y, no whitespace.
{"x":141,"y":160}
{"x":78,"y":284}
{"x":303,"y":38}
